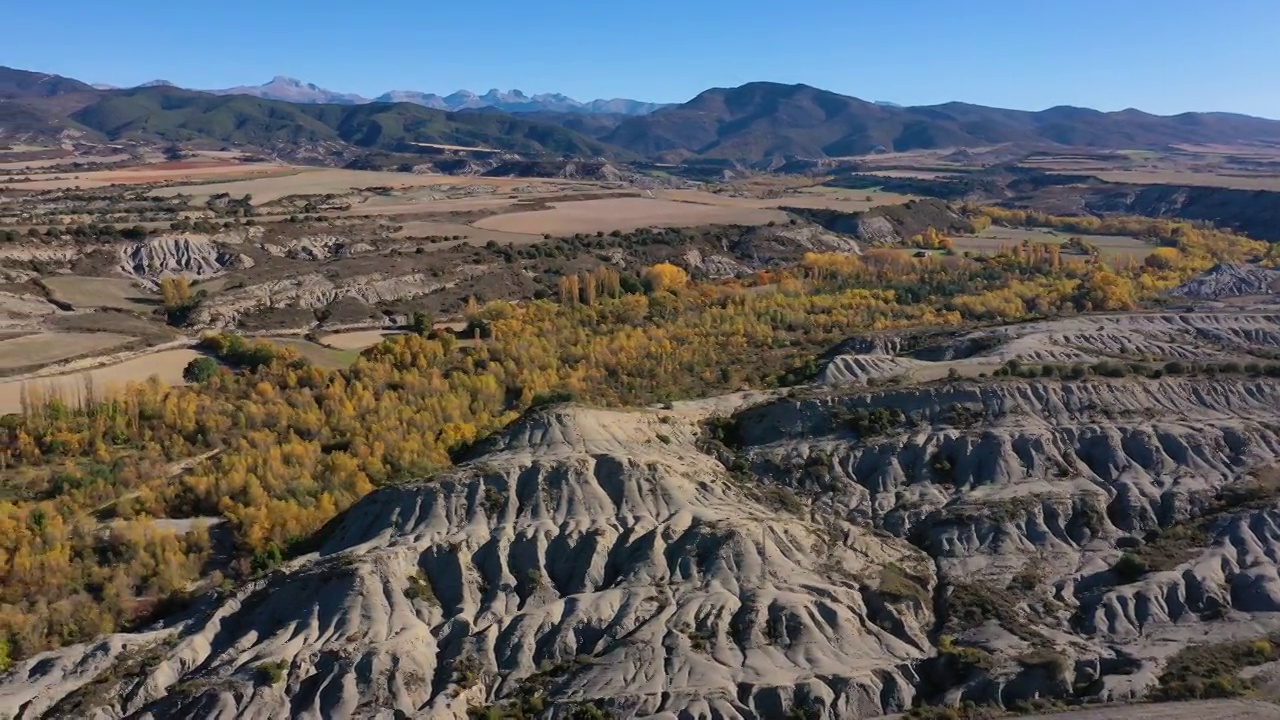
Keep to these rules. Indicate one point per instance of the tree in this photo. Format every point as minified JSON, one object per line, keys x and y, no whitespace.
{"x":420,"y":323}
{"x":176,"y":291}
{"x":665,"y":276}
{"x":200,"y":370}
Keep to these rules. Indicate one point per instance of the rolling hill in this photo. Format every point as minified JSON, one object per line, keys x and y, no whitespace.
{"x":764,"y":120}
{"x":174,"y":115}
{"x":22,"y":84}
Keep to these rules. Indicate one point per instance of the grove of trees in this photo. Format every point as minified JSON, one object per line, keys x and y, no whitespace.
{"x":281,"y":446}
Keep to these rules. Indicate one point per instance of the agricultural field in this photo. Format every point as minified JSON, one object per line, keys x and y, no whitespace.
{"x":172,"y":172}
{"x":46,"y":348}
{"x":913,"y":174}
{"x":321,"y":181}
{"x":469,"y":234}
{"x":20,"y":166}
{"x":993,"y":238}
{"x":101,"y":292}
{"x":357,"y":339}
{"x":586,"y":216}
{"x":166,"y":365}
{"x":840,"y":199}
{"x":1204,"y":179}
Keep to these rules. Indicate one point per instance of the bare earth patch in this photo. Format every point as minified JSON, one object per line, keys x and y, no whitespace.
{"x":625,"y":214}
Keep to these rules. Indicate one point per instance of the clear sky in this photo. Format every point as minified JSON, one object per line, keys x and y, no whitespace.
{"x":1162,"y":56}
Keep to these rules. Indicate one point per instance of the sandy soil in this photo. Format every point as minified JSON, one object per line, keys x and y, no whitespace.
{"x":95,"y":292}
{"x":167,"y":365}
{"x":624,"y":214}
{"x":45,"y":348}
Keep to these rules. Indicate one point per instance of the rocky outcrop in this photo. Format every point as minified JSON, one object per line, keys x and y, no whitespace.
{"x":890,"y":224}
{"x":597,"y":556}
{"x":312,"y":291}
{"x":189,"y":256}
{"x":829,"y":551}
{"x":1229,"y":280}
{"x":317,"y":247}
{"x":1255,"y":213}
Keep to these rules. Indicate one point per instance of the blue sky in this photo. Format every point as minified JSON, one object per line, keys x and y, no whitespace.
{"x":1162,"y":56}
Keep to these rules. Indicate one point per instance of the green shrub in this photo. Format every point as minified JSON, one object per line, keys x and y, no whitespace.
{"x":1055,"y":663}
{"x":1213,"y":671}
{"x":1107,"y":368}
{"x":272,"y":672}
{"x":1130,"y":568}
{"x":901,"y":586}
{"x":200,"y":370}
{"x":870,"y":422}
{"x":964,"y":659}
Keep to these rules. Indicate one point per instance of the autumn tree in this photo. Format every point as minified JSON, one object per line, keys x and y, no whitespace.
{"x":665,"y":277}
{"x":175,"y":291}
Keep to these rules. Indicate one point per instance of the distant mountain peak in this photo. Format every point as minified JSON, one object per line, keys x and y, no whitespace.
{"x":157,"y":83}
{"x":518,"y":101}
{"x":289,"y":89}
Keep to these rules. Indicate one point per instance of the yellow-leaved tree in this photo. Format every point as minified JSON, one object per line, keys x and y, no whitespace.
{"x":665,"y":276}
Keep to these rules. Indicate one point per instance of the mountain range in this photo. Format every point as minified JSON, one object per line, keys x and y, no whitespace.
{"x":767,"y":120}
{"x":756,"y":122}
{"x":513,"y":101}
